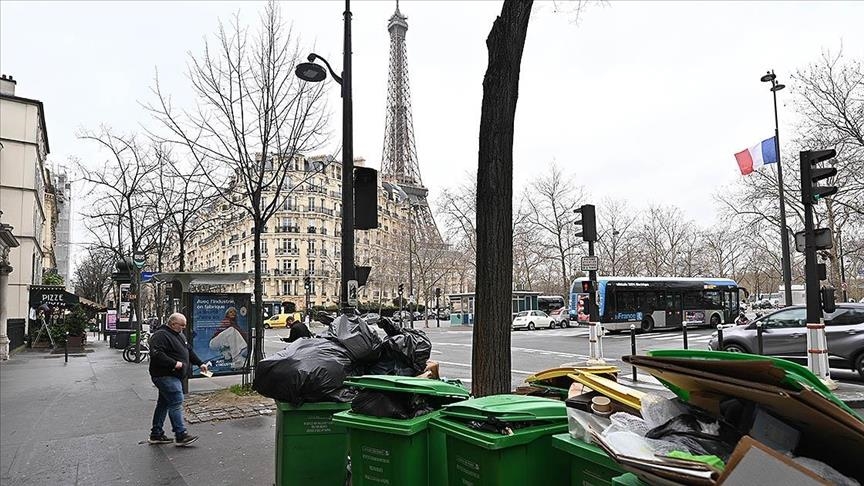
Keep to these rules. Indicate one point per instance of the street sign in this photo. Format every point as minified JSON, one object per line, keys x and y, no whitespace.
{"x":590,"y":263}
{"x":147,"y":276}
{"x":352,"y":292}
{"x":139,"y":258}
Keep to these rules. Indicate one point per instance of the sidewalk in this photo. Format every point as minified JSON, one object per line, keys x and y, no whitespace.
{"x":87,"y":422}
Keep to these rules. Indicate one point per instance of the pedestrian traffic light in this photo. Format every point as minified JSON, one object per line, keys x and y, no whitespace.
{"x":588,"y":222}
{"x":810,"y":175}
{"x":586,"y":286}
{"x":401,"y":289}
{"x":307,"y":282}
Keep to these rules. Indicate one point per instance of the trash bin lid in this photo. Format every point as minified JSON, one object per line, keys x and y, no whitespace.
{"x":408,"y":384}
{"x":508,"y":408}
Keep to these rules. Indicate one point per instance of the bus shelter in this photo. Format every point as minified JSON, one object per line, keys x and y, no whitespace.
{"x":220,"y":325}
{"x":462,"y":305}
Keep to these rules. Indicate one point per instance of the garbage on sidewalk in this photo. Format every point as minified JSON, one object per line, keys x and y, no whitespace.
{"x":314,"y":369}
{"x":736,"y":419}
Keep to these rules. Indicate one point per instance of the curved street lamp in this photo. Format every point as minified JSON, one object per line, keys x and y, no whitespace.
{"x":314,"y":73}
{"x":770,"y":77}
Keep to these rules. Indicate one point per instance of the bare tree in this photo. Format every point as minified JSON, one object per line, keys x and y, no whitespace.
{"x":550,"y":200}
{"x":616,"y":226}
{"x":253,"y":117}
{"x":92,"y":277}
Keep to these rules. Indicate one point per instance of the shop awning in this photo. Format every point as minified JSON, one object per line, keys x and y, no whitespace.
{"x":55,"y":296}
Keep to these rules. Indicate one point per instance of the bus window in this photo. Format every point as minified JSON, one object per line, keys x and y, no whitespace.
{"x":625,"y":301}
{"x":693,"y":300}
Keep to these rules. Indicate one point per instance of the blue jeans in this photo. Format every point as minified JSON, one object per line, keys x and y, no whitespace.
{"x":170,"y":403}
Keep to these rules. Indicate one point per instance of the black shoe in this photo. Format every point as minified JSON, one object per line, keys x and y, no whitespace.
{"x":185,"y":440}
{"x":159,"y":439}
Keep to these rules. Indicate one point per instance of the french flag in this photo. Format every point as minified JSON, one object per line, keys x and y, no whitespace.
{"x":757,"y":156}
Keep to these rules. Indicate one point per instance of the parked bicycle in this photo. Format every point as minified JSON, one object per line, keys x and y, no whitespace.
{"x":130,"y":355}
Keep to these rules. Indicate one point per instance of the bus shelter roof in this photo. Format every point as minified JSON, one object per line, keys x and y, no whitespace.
{"x":201,"y":278}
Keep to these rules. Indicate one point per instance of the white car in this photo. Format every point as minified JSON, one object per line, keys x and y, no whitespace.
{"x":532,"y":320}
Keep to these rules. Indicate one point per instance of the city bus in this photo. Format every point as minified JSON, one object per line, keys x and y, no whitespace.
{"x":657,"y":302}
{"x":548,"y":303}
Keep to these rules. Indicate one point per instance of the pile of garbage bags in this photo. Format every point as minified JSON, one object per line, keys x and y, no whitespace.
{"x":314,"y":369}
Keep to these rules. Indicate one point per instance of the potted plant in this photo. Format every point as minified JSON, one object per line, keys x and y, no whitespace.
{"x":76,"y":327}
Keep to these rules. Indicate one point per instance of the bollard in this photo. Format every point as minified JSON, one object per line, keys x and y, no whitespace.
{"x":759,"y":337}
{"x":66,"y":348}
{"x":633,"y":347}
{"x":684,"y":329}
{"x":719,"y":337}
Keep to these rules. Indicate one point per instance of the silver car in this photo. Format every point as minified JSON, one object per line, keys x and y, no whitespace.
{"x":784,"y":335}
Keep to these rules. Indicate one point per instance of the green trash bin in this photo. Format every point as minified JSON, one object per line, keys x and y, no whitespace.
{"x":490,"y":458}
{"x":589,"y":464}
{"x":310,"y":447}
{"x":628,"y":479}
{"x":397,"y":451}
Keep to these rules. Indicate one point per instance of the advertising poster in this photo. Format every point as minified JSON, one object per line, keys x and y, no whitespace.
{"x":220,"y":331}
{"x":111,"y":320}
{"x":125,"y":304}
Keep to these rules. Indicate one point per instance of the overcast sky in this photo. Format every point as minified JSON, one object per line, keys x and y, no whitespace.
{"x":644,"y":101}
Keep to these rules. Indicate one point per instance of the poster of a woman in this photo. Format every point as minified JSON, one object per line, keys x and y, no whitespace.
{"x":221,"y":330}
{"x":230,"y":340}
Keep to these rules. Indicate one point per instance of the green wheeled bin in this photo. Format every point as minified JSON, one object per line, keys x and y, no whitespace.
{"x":628,"y":479}
{"x":398,"y":451}
{"x":504,"y":440}
{"x":310,"y":447}
{"x":589,"y":464}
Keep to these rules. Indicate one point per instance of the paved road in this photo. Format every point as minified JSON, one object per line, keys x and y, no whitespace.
{"x":532,"y":351}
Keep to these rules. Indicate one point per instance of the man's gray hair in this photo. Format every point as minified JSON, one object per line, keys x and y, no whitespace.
{"x":175,"y":317}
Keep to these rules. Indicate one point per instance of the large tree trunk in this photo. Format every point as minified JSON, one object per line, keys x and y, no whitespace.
{"x":490,"y":371}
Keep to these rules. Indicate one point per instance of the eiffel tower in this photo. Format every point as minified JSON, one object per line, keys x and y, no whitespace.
{"x":400,"y":169}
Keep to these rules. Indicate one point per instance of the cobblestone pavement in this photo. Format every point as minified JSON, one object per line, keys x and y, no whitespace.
{"x":225,"y":405}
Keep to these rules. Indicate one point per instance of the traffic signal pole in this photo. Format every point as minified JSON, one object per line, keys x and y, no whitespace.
{"x":818,"y":300}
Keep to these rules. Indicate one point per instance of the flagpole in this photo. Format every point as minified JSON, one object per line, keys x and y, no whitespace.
{"x":784,"y":233}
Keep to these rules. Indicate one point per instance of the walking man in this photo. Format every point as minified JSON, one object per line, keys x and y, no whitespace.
{"x":171,"y":359}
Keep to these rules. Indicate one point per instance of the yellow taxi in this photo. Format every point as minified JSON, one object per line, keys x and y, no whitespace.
{"x":281,"y":320}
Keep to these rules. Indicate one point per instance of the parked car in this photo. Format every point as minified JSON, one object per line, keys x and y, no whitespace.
{"x":281,"y":320}
{"x":403,"y":316}
{"x":371,"y":317}
{"x":417,"y":315}
{"x":784,"y":335}
{"x":444,"y":314}
{"x":532,"y":320}
{"x":560,"y":317}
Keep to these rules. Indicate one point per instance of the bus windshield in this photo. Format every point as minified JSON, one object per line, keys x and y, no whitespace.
{"x":548,"y":303}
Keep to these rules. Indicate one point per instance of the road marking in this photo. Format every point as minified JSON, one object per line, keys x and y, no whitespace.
{"x":518,"y":372}
{"x":526,"y":350}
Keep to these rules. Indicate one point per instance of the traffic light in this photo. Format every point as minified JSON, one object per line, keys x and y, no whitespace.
{"x":588,"y":222}
{"x":827,"y":298}
{"x":810,"y":175}
{"x":586,"y":286}
{"x":437,"y":291}
{"x":307,"y":282}
{"x":401,"y":289}
{"x":365,"y":198}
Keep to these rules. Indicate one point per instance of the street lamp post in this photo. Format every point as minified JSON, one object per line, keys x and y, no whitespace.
{"x":309,"y":71}
{"x":770,"y":77}
{"x":840,"y":256}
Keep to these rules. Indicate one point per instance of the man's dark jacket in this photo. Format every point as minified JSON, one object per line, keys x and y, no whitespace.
{"x":298,"y":330}
{"x":167,"y":347}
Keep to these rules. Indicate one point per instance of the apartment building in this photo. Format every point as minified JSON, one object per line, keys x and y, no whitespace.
{"x":24,"y":201}
{"x":303,"y":238}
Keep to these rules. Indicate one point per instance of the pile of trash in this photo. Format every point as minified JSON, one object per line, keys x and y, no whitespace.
{"x":314,"y":369}
{"x":733,"y":420}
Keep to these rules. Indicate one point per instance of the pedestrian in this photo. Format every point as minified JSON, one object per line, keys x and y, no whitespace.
{"x":298,"y":330}
{"x":171,"y":359}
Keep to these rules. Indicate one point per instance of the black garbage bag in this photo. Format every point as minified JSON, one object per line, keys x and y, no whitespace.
{"x":410,"y":350}
{"x":361,"y":342}
{"x":390,"y":327}
{"x":687,"y":431}
{"x":392,"y":404}
{"x":308,"y":370}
